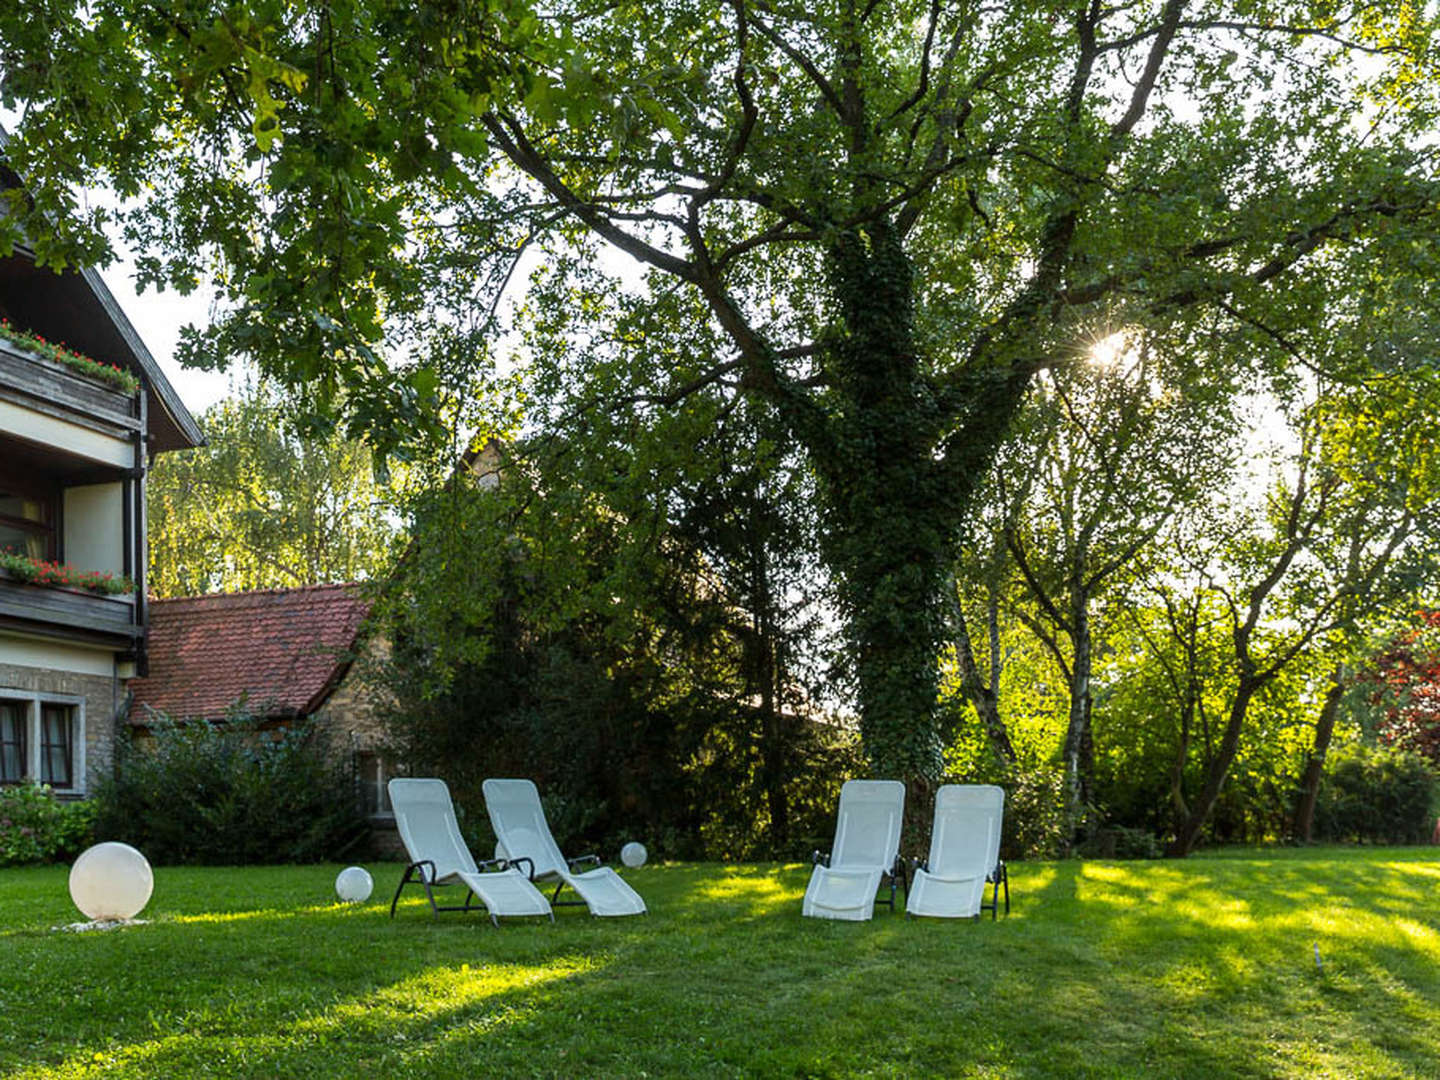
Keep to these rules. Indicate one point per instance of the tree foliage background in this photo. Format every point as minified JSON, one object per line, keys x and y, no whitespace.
{"x":259,"y":506}
{"x":880,"y":222}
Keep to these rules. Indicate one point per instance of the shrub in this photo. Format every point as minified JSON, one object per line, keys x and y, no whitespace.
{"x":1377,"y":795}
{"x":1034,"y":825}
{"x":230,"y":794}
{"x":36,"y":827}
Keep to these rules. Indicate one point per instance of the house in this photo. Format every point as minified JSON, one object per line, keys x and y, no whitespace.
{"x":277,"y":656}
{"x":83,"y":410}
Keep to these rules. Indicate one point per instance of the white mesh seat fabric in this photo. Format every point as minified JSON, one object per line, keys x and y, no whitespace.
{"x":425,"y":819}
{"x":964,"y":852}
{"x":521,"y":832}
{"x":867,"y":842}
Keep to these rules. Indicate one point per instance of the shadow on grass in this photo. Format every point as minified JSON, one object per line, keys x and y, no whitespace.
{"x":1203,"y":968}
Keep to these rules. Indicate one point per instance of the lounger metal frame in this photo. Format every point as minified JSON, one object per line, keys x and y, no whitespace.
{"x":430,"y":884}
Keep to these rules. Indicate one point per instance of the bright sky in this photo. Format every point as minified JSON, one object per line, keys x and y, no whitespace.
{"x":159,"y":318}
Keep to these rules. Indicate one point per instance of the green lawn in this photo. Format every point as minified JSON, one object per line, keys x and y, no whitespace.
{"x":1201,"y":968}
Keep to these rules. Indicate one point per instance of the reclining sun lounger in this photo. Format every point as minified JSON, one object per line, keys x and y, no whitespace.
{"x":964,"y":855}
{"x":866,"y":850}
{"x":425,"y":817}
{"x":522,"y":833}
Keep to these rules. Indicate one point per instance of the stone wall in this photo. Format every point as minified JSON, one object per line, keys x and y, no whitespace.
{"x":350,"y":718}
{"x":101,"y":696}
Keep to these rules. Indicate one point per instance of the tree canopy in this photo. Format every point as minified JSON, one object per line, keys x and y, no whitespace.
{"x":260,"y":507}
{"x":894,"y":214}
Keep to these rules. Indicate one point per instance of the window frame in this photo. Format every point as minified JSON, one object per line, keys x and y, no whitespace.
{"x":52,"y":498}
{"x":374,"y":793}
{"x":66,"y":745}
{"x":33,"y":703}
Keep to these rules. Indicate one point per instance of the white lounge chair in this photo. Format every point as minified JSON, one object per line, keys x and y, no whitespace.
{"x":522,"y":833}
{"x":866,"y":850}
{"x":964,"y":855}
{"x":425,"y":817}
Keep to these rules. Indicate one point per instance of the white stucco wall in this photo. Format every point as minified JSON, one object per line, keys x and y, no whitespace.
{"x":29,"y":652}
{"x":94,"y":519}
{"x":72,"y":438}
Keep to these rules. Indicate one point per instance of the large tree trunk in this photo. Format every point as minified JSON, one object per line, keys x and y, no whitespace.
{"x":891,"y":521}
{"x":893,"y":501}
{"x":1304,"y":823}
{"x":1189,"y":831}
{"x":897,"y":669}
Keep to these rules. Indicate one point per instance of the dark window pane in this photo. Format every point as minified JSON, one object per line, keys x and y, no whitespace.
{"x":24,"y":507}
{"x":56,"y":744}
{"x":12,"y":742}
{"x":27,"y":522}
{"x":19,"y":541}
{"x":373,"y":777}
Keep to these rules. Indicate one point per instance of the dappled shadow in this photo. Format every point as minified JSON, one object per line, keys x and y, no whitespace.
{"x":1202,"y":968}
{"x":392,"y":1021}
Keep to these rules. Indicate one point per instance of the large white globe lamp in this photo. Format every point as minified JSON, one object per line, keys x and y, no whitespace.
{"x":633,"y":854}
{"x":111,"y":881}
{"x":353,"y":885}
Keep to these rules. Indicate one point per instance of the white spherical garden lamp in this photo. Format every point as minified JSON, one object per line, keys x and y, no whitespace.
{"x":354,"y":884}
{"x":634,"y":854}
{"x":111,"y":882}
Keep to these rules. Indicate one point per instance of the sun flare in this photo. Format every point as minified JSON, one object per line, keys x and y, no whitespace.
{"x":1107,"y":352}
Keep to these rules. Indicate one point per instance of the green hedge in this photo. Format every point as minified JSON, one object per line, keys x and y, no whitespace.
{"x":36,"y":827}
{"x":1376,"y":795}
{"x":229,"y":794}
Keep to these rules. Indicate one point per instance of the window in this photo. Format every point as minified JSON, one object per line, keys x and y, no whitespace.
{"x":373,"y":778}
{"x":42,"y":739}
{"x":27,"y":523}
{"x":57,"y":745}
{"x":12,"y":741}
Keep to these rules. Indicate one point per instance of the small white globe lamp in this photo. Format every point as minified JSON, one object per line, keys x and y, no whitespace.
{"x":633,"y":854}
{"x":354,"y":884}
{"x":111,"y":882}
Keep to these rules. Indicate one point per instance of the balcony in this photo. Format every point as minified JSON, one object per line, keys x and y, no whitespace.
{"x":69,"y":614}
{"x":85,"y":422}
{"x":72,"y":459}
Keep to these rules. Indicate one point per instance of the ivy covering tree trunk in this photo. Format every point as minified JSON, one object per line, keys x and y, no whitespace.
{"x":892,"y":521}
{"x":894,"y":214}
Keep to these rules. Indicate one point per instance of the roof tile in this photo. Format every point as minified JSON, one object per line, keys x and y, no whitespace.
{"x":283,"y":649}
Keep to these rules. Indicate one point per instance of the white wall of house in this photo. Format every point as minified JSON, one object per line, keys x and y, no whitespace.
{"x":94,"y":530}
{"x":74,"y":439}
{"x":29,"y":652}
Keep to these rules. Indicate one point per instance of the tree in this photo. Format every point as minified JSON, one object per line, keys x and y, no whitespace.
{"x":1104,"y":459}
{"x":1330,"y":548}
{"x":260,"y":507}
{"x":898,"y":213}
{"x":621,"y":620}
{"x":1403,"y":680}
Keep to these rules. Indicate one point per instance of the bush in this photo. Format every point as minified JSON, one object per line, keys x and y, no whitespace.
{"x":1034,"y":825}
{"x":1377,"y":795}
{"x":229,"y":794}
{"x":36,"y":827}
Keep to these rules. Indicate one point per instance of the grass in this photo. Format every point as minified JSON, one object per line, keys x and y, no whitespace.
{"x":1200,"y":969}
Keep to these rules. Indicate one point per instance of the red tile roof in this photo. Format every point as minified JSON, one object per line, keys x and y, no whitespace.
{"x":284,"y":649}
